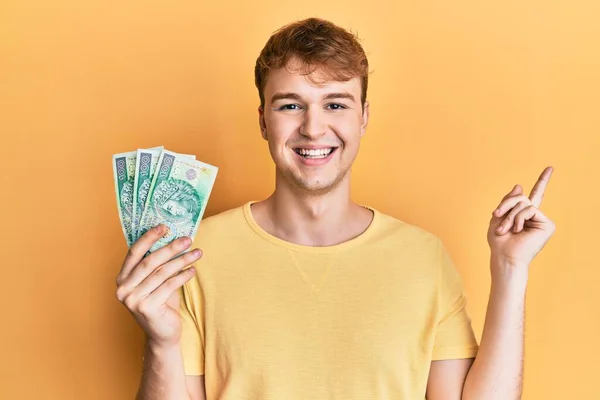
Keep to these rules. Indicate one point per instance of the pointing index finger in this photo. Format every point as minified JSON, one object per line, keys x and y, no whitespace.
{"x":537,"y":193}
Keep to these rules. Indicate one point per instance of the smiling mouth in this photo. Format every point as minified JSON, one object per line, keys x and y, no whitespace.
{"x":315,"y":153}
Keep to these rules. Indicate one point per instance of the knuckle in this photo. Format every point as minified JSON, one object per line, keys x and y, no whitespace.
{"x":182,"y":242}
{"x":172,"y":247}
{"x":521,"y":205}
{"x":131,"y":252}
{"x":171,"y":282}
{"x":517,"y":208}
{"x":161,"y":274}
{"x":145,"y":308}
{"x":130,"y":303}
{"x":174,"y":282}
{"x":120,"y":294}
{"x":145,"y":264}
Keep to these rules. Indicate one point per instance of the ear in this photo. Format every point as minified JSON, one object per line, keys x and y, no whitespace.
{"x":261,"y":122}
{"x":365,"y":119}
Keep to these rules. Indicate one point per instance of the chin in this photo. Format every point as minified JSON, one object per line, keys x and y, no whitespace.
{"x":315,"y":185}
{"x":311,"y":180}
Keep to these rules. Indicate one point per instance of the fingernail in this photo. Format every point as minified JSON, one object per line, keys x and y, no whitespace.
{"x":185,"y":240}
{"x":499,"y":229}
{"x":196,"y":252}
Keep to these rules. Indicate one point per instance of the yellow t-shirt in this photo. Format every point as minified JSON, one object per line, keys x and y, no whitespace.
{"x":266,"y":319}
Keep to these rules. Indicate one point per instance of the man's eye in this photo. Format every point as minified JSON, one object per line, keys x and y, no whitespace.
{"x":336,"y":106}
{"x":289,"y":107}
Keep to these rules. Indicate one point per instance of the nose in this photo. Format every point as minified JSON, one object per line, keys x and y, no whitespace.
{"x":313,"y":125}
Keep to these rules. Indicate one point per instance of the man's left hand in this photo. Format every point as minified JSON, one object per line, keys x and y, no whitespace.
{"x":524,"y":228}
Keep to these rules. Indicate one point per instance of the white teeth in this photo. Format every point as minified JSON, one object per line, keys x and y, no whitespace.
{"x":315,"y":153}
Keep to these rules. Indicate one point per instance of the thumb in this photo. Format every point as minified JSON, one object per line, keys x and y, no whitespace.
{"x":175,"y":299}
{"x":517,"y":190}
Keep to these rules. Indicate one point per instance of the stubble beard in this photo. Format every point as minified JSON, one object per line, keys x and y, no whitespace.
{"x":312,"y":186}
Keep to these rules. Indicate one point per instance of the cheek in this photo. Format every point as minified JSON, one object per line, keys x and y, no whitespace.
{"x":281,"y":128}
{"x":276,"y":135}
{"x":348,"y":130}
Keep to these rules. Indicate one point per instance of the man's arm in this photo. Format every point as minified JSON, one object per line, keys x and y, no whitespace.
{"x":447,"y":378}
{"x":517,"y":233}
{"x":497,"y":371}
{"x":163,"y":376}
{"x":195,"y":386}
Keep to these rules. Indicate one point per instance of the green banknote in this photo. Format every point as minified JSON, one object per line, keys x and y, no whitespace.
{"x":145,"y":165}
{"x":123,"y":172}
{"x":177,"y":196}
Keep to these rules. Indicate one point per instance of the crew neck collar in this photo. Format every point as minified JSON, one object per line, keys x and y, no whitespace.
{"x":305,"y":248}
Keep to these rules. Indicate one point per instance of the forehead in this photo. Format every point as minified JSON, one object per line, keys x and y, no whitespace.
{"x":292,"y":79}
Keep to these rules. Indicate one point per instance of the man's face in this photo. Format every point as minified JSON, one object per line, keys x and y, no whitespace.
{"x":313,"y":130}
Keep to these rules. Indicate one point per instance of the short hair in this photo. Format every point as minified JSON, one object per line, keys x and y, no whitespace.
{"x":317,"y":43}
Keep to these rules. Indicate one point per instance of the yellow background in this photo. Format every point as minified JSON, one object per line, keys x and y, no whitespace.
{"x":467,"y":99}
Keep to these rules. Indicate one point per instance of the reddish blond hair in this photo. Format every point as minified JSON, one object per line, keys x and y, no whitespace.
{"x":317,"y":43}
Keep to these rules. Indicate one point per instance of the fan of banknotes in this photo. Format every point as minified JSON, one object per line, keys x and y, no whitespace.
{"x":157,"y":186}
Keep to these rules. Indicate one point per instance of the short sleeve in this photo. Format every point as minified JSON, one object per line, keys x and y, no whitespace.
{"x":192,"y":321}
{"x":454,"y":336}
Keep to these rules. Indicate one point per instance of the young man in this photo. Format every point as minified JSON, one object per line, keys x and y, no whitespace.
{"x":308,"y":295}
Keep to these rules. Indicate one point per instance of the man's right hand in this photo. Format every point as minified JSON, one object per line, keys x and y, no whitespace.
{"x":148,"y":286}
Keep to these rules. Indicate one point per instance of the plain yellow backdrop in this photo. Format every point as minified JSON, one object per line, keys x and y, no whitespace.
{"x":467,"y":99}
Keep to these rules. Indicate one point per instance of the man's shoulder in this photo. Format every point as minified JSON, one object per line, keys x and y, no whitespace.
{"x":395,"y":228}
{"x":407,"y":246}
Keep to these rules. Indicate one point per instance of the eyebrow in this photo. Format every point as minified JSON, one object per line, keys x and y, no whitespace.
{"x":294,"y":96}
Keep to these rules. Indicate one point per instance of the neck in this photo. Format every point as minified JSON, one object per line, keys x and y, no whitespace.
{"x":312,"y":220}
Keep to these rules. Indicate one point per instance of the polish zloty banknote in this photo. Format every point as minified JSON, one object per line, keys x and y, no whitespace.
{"x":177,"y":197}
{"x":145,"y":165}
{"x":123,"y":171}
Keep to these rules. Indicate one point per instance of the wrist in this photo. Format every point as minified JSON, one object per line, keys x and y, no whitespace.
{"x":161,"y":347}
{"x":508,"y":276}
